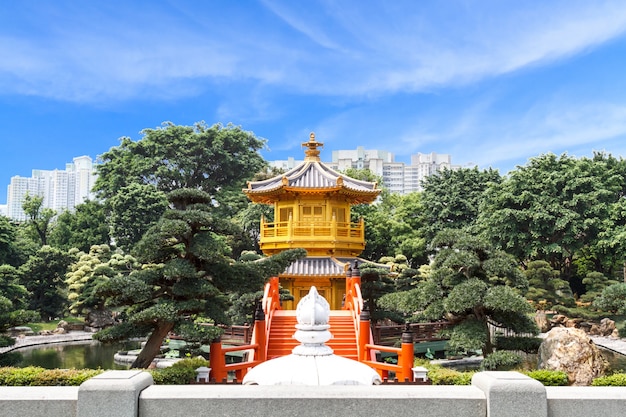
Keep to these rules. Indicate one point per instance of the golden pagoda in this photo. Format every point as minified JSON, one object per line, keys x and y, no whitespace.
{"x":312,"y":211}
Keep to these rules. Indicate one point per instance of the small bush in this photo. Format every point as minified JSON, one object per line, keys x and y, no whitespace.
{"x":501,"y":360}
{"x":615,"y":380}
{"x":549,"y":378}
{"x":181,"y":373}
{"x":524,"y":344}
{"x":446,"y":376}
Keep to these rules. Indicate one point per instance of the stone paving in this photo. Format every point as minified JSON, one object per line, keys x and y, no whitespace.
{"x":616,"y":345}
{"x":74,"y":336}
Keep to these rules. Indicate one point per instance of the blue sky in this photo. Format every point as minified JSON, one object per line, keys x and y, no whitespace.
{"x":492,"y":83}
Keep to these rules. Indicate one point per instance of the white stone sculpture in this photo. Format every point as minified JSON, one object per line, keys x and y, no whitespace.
{"x":312,"y":362}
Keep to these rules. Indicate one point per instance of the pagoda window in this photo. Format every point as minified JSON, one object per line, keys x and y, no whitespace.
{"x":285,"y":213}
{"x":312,"y":214}
{"x":339,"y":214}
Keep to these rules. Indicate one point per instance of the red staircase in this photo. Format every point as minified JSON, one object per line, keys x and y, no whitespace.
{"x":281,"y":341}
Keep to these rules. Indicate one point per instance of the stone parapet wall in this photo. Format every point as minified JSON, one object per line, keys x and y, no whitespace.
{"x":133,"y":394}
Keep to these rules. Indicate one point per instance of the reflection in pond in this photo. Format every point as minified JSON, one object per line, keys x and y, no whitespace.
{"x":79,"y":355}
{"x":617,"y":361}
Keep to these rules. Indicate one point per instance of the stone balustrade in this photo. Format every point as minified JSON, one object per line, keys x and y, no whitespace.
{"x":133,"y":394}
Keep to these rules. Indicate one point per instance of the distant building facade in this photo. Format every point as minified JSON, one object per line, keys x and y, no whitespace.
{"x":61,"y":189}
{"x":398,"y":177}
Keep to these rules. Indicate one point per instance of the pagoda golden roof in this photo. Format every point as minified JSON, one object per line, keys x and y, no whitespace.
{"x":312,"y":176}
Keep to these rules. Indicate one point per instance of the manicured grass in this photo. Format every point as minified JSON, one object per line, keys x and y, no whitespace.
{"x":51,"y":325}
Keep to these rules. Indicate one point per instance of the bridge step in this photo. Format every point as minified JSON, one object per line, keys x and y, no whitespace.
{"x":281,"y":341}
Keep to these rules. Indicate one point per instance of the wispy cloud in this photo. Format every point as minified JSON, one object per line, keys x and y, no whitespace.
{"x":355,"y":49}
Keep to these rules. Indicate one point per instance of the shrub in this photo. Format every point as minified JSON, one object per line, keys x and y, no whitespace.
{"x":549,"y":378}
{"x":501,"y":360}
{"x":524,"y":344}
{"x":181,"y":373}
{"x":615,"y":380}
{"x":446,"y":376}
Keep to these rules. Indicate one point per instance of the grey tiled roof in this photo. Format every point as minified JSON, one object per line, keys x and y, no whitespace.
{"x":316,"y":266}
{"x":313,"y":175}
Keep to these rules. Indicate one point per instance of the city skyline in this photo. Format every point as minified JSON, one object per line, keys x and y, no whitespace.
{"x":489,"y":83}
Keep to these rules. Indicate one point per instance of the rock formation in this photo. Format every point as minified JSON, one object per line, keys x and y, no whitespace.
{"x":572,"y":351}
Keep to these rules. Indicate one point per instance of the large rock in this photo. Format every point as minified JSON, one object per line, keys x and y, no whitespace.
{"x":100,"y":319}
{"x":572,"y":351}
{"x":607,"y":327}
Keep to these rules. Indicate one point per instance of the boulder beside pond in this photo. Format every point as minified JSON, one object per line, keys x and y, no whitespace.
{"x":571,"y":350}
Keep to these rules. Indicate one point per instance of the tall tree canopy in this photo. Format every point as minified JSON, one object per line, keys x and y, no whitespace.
{"x":553,"y":207}
{"x":173,"y":157}
{"x":451,"y":198}
{"x":82,"y":228}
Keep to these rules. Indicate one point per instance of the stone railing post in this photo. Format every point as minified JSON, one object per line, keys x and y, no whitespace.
{"x":512,"y":394}
{"x":112,"y":394}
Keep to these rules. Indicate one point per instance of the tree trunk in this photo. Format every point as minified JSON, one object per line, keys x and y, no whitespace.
{"x":153,"y":346}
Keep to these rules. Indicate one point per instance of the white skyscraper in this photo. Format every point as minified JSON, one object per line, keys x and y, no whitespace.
{"x":61,"y":190}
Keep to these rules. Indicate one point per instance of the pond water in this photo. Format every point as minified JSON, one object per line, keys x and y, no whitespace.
{"x":79,"y":355}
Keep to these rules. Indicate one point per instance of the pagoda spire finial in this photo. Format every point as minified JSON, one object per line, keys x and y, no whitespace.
{"x":312,"y":152}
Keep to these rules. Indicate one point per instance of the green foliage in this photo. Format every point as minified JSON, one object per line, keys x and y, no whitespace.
{"x":501,"y":360}
{"x":133,"y":210}
{"x":44,"y":277}
{"x":451,"y":199}
{"x":595,"y":283}
{"x":520,"y":343}
{"x":545,"y":287}
{"x":392,"y":227}
{"x":447,"y":376}
{"x":554,"y":207}
{"x":89,"y":271}
{"x":175,"y":157}
{"x":579,"y":312}
{"x":186,"y":273}
{"x":181,"y":373}
{"x":470,"y":283}
{"x":612,"y":299}
{"x":549,"y":378}
{"x":36,"y":376}
{"x":39,"y":218}
{"x":615,"y":380}
{"x":87,"y":225}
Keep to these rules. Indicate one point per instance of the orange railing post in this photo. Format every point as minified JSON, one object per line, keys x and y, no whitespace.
{"x":364,"y":334}
{"x":259,"y":334}
{"x":406,"y":356}
{"x":217,"y":361}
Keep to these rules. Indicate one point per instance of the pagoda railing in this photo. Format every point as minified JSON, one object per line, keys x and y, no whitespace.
{"x":296,"y":231}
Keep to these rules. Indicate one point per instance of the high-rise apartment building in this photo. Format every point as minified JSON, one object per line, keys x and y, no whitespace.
{"x":398,"y":177}
{"x":61,"y":189}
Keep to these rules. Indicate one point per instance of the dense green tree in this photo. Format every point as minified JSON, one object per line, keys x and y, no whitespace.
{"x":186,"y":276}
{"x":82,"y":228}
{"x":392,"y":223}
{"x":8,"y":248}
{"x":91,"y":270}
{"x":39,"y":217}
{"x":595,"y":283}
{"x":43,"y":275}
{"x":451,"y":198}
{"x":173,"y":157}
{"x":551,"y":208}
{"x":471,"y":284}
{"x":612,"y":299}
{"x":546,"y":288}
{"x":13,"y":302}
{"x":133,"y":210}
